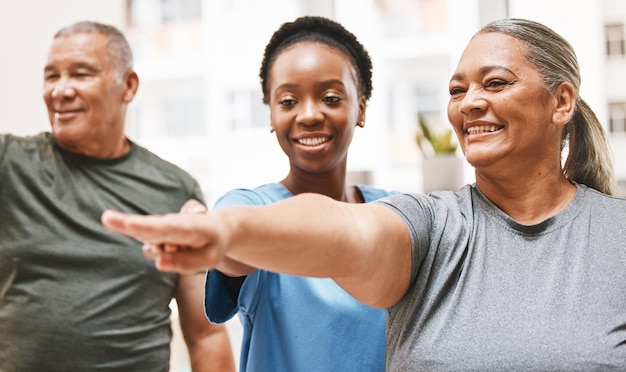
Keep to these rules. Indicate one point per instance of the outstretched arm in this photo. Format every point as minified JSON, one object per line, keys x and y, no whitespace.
{"x":365,"y":248}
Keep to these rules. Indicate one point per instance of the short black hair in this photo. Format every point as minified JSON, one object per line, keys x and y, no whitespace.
{"x":320,"y":30}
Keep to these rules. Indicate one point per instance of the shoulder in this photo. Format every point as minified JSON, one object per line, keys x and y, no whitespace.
{"x":149,"y":165}
{"x":608,"y":205}
{"x":12,"y":145}
{"x":440,"y":207}
{"x":436,"y":199}
{"x":261,"y":195}
{"x":147,"y":157}
{"x":594,"y":194}
{"x":43,"y":138}
{"x":370,"y":193}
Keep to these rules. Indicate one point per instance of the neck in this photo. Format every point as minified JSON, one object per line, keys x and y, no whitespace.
{"x":529,"y":201}
{"x":97,"y":151}
{"x":331,"y":185}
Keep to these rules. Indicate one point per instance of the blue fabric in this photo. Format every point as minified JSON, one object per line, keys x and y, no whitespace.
{"x":295,"y":323}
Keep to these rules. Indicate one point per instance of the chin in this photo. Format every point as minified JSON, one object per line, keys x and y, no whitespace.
{"x":65,"y":134}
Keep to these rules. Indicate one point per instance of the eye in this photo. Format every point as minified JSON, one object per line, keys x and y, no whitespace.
{"x":331,"y":99}
{"x":287,"y":102}
{"x":496,"y":83}
{"x":456,"y":90}
{"x":82,"y":74}
{"x":50,"y":76}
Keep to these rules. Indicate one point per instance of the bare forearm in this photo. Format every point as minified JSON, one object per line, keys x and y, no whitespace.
{"x":212,"y":354}
{"x":363,"y":247}
{"x":308,"y":235}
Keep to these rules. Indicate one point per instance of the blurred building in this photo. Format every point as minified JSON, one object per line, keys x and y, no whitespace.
{"x":200,"y":105}
{"x":199,"y":102}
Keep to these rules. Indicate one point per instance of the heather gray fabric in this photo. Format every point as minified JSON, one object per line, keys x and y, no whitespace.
{"x":490,"y":294}
{"x":74,"y":297}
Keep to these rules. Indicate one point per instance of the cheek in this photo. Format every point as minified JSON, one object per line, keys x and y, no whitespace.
{"x":47,"y":94}
{"x":282,"y":123}
{"x":277,"y":119}
{"x":454,"y":116}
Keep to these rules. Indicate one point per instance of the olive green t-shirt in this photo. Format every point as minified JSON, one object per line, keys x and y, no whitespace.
{"x":73,"y":296}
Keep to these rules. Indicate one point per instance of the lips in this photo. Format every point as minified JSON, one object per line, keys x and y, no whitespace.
{"x":65,"y":115}
{"x":312,"y":141}
{"x":483,"y":129}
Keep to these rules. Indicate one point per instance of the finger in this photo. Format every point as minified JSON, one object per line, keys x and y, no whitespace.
{"x":188,"y":262}
{"x":193,"y":206}
{"x":171,"y":248}
{"x":176,"y":229}
{"x":151,"y":251}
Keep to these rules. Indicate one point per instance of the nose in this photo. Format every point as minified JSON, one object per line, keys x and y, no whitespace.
{"x":310,"y":113}
{"x":473,"y":101}
{"x":62,"y":88}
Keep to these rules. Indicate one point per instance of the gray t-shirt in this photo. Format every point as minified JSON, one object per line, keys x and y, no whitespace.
{"x":73,"y":296}
{"x":490,"y":294}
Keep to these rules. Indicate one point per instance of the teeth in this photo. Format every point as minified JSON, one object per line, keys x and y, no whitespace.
{"x":312,"y":141}
{"x":482,"y":129}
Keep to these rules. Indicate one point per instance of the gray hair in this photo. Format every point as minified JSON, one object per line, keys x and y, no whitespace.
{"x":589,"y":160}
{"x":119,"y":49}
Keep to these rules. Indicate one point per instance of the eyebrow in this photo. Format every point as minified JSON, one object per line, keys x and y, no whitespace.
{"x":325,"y":83}
{"x":483,"y":70}
{"x":74,"y":66}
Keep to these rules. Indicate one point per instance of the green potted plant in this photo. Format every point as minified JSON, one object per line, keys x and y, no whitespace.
{"x":442,"y":168}
{"x":433,"y":144}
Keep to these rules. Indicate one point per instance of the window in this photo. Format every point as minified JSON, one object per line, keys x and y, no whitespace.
{"x":150,"y":12}
{"x":246,"y":110}
{"x":427,"y":105}
{"x":165,"y":28}
{"x":413,"y":17}
{"x":617,"y":117}
{"x":179,"y":10}
{"x":169,"y":108}
{"x":615,"y":40}
{"x":182,"y":116}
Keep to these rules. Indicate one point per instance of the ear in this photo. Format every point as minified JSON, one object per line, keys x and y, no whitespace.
{"x":362,"y":107}
{"x":130,"y":85}
{"x":565,"y":96}
{"x":272,"y":128}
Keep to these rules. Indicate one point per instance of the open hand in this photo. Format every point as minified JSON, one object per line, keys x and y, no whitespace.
{"x":181,"y":242}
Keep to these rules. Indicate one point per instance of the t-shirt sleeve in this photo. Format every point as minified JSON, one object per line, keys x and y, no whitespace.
{"x":416,"y":212}
{"x":219,"y":303}
{"x":196,"y":192}
{"x":4,"y":139}
{"x":220,"y":296}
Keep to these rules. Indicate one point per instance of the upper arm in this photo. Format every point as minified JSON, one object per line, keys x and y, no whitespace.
{"x":208,"y":344}
{"x":190,"y":299}
{"x":382,"y":268}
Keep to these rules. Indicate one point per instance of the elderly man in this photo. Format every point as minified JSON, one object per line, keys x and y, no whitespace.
{"x":74,"y":297}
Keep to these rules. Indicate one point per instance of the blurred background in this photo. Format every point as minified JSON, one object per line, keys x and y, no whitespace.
{"x":199,"y":101}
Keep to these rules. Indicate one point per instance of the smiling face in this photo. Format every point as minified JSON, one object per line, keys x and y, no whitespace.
{"x":499,"y":107}
{"x":86,"y":94}
{"x":314,"y":105}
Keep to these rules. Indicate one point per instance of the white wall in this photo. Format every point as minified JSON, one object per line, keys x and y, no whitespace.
{"x":27,"y":30}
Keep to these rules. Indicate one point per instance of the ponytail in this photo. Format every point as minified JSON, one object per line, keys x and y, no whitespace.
{"x":589,"y":160}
